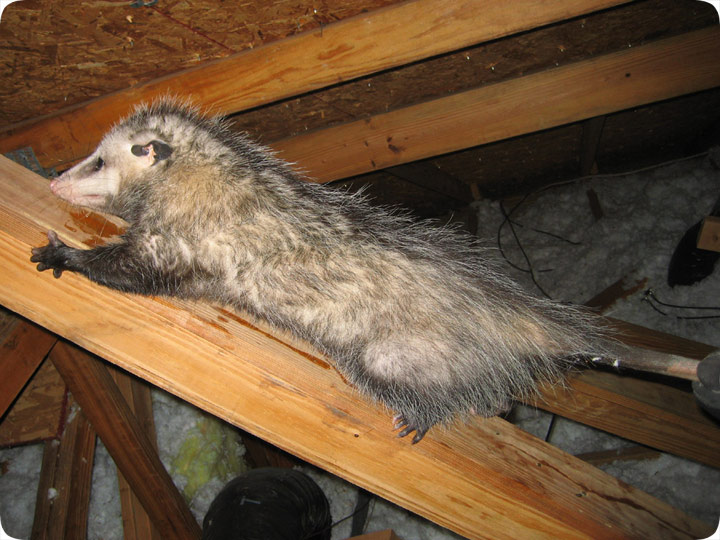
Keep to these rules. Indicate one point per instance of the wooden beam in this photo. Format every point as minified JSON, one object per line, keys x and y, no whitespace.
{"x":63,"y":496}
{"x":338,"y":52}
{"x":132,"y":452}
{"x":609,"y":83}
{"x":650,"y":413}
{"x":137,"y":525}
{"x":709,"y":237}
{"x":647,"y":412}
{"x":487,"y":478}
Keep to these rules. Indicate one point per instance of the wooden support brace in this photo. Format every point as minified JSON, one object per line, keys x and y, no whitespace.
{"x":651,"y":413}
{"x":136,"y":522}
{"x":592,"y":129}
{"x":63,"y":497}
{"x":337,"y":52}
{"x":133,"y":453}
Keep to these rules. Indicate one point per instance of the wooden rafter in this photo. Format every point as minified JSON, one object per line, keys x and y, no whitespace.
{"x":474,"y":479}
{"x":657,"y":71}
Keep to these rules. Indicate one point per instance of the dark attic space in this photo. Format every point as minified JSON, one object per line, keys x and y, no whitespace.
{"x":330,"y":360}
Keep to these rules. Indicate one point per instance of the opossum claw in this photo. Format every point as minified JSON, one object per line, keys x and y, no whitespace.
{"x":52,"y":256}
{"x":402,"y":422}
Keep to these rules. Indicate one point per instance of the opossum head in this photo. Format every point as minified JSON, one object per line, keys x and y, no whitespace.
{"x":119,"y":159}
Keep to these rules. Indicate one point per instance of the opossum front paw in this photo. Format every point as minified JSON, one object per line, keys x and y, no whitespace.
{"x":407,"y":426}
{"x":54,"y":255}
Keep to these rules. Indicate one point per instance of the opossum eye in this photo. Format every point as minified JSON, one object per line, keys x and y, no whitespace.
{"x":99,"y":164}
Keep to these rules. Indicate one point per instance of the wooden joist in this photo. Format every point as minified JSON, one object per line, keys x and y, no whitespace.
{"x":484,"y":479}
{"x":63,"y":496}
{"x":131,"y":450}
{"x":646,"y":412}
{"x":657,"y":71}
{"x":337,"y":52}
{"x":137,"y":524}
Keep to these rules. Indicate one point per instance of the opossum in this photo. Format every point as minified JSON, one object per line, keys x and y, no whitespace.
{"x":416,"y":316}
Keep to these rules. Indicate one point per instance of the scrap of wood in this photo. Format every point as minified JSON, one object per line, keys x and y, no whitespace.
{"x":619,"y":290}
{"x":630,"y":453}
{"x":338,"y":52}
{"x":137,"y":525}
{"x":487,"y":478}
{"x":23,"y":348}
{"x":609,"y":83}
{"x":63,"y":496}
{"x":103,"y":404}
{"x":40,"y":410}
{"x":709,"y":237}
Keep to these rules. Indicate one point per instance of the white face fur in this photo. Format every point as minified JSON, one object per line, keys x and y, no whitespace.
{"x":96,"y":180}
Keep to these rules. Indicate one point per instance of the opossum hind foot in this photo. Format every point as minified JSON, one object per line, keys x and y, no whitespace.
{"x":408,"y":426}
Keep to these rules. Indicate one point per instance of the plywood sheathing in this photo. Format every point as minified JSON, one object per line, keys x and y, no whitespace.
{"x":57,"y":54}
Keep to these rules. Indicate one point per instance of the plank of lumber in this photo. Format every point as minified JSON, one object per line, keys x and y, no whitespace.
{"x":338,"y":52}
{"x":709,"y":237}
{"x":103,"y":404}
{"x":647,"y":412}
{"x":136,"y":522}
{"x":609,"y":83}
{"x":22,"y":350}
{"x":63,"y":497}
{"x":484,"y":479}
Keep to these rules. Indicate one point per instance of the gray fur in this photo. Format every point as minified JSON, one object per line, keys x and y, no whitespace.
{"x":412,"y":314}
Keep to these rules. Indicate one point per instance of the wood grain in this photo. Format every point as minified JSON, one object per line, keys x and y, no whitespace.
{"x":133,"y":453}
{"x":485,"y":479}
{"x":137,"y":525}
{"x":337,"y":52}
{"x":657,"y":71}
{"x":63,"y":496}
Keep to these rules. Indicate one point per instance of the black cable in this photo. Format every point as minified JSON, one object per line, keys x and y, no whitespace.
{"x":651,"y":299}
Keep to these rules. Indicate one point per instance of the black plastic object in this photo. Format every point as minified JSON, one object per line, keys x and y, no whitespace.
{"x":269,"y":504}
{"x":707,"y":389}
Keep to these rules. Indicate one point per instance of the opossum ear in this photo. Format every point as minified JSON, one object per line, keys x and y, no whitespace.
{"x":157,"y":150}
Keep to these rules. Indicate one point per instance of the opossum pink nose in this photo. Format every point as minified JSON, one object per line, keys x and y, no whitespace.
{"x":53,"y":185}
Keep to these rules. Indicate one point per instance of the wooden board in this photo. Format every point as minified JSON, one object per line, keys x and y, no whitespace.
{"x":63,"y":496}
{"x":487,"y":479}
{"x":608,"y":83}
{"x":136,"y":522}
{"x":647,"y":412}
{"x":338,"y":52}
